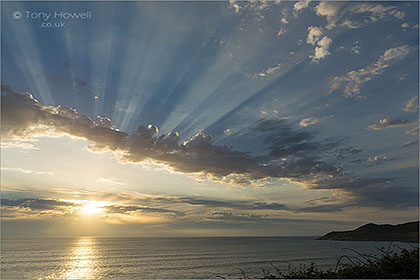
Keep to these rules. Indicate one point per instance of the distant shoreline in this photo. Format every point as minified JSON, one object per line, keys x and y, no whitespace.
{"x":407,"y":232}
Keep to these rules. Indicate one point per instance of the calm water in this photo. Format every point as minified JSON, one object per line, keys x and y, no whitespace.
{"x":89,"y":257}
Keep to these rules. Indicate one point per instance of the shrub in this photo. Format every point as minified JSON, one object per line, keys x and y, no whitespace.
{"x":391,"y":265}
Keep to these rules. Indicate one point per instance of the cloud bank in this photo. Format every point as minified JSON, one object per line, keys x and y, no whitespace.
{"x":25,"y":117}
{"x":292,"y":154}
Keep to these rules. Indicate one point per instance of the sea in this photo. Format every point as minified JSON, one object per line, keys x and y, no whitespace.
{"x":174,"y":258}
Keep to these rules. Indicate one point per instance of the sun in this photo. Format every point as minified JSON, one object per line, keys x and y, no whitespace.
{"x":92,"y":207}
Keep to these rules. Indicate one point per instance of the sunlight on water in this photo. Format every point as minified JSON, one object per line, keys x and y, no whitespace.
{"x":82,"y":260}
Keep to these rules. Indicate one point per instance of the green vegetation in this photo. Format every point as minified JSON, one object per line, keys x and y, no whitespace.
{"x":390,"y":265}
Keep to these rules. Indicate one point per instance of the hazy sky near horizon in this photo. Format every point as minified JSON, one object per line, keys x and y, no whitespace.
{"x":208,"y":118}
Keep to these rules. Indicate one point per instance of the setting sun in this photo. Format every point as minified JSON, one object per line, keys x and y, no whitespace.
{"x":92,"y":207}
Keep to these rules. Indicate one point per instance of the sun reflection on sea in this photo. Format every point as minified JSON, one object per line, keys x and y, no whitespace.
{"x":82,"y":261}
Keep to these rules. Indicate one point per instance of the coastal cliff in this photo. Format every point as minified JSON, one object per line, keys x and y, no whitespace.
{"x":407,"y":232}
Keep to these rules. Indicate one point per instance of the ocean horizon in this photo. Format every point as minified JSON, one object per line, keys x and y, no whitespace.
{"x":91,"y":257}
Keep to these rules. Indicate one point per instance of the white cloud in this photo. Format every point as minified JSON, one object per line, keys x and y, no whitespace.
{"x":281,"y":31}
{"x":376,"y":11}
{"x":299,"y":6}
{"x":27,"y":171}
{"x":412,"y":105}
{"x":109,"y":181}
{"x":355,"y":49}
{"x":405,"y":25}
{"x":314,"y":34}
{"x":330,"y":10}
{"x":269,"y":71}
{"x":354,"y":80}
{"x":255,"y":7}
{"x":413,"y":132}
{"x":308,"y":121}
{"x":325,"y":42}
{"x":322,"y":50}
{"x":234,"y":6}
{"x":342,"y":13}
{"x":322,"y":45}
{"x":17,"y":144}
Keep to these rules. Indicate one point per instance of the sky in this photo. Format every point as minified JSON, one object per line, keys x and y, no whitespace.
{"x":208,"y":118}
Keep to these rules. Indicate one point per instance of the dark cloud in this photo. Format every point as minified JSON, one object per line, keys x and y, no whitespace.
{"x":347,"y":152}
{"x":293,"y":153}
{"x":36,"y":204}
{"x":379,"y":192}
{"x":239,"y":205}
{"x":124,"y":209}
{"x":252,"y":205}
{"x":410,"y":143}
{"x":264,"y":219}
{"x":23,"y":116}
{"x":325,"y":208}
{"x":388,"y":123}
{"x":284,"y":140}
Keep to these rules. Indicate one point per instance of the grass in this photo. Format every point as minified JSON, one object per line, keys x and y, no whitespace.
{"x":389,"y":265}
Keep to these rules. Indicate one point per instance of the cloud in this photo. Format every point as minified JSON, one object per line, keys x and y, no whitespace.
{"x":308,"y":121}
{"x":24,"y":117}
{"x":291,"y":153}
{"x":281,"y":31}
{"x":412,"y":105}
{"x":255,"y":219}
{"x":372,"y":192}
{"x":322,"y":50}
{"x":347,"y":152}
{"x":410,"y":143}
{"x":376,"y":11}
{"x":109,"y":181}
{"x":26,"y":171}
{"x":413,"y":132}
{"x":39,"y":207}
{"x":330,"y":10}
{"x":314,"y":35}
{"x":36,"y":204}
{"x":377,"y":159}
{"x":325,"y":208}
{"x":283,"y":141}
{"x":129,"y":209}
{"x":269,"y":71}
{"x":322,"y":46}
{"x":17,"y":144}
{"x":238,"y":205}
{"x":353,"y":81}
{"x":342,"y":14}
{"x":227,"y":131}
{"x":388,"y":123}
{"x":255,"y":7}
{"x":299,"y":6}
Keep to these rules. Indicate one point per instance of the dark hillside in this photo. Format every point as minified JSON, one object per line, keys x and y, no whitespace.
{"x":408,"y":232}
